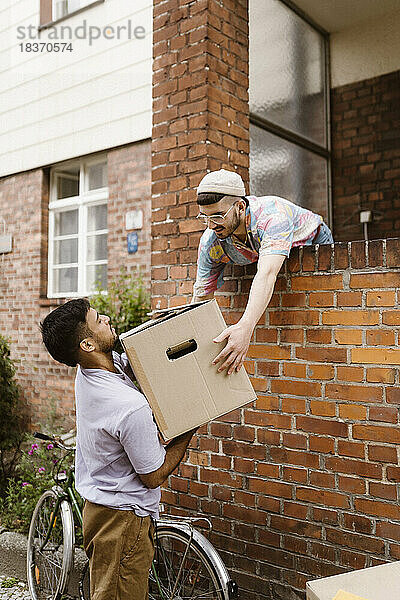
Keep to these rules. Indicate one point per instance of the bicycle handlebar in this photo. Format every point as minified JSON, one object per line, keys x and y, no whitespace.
{"x":54,"y":440}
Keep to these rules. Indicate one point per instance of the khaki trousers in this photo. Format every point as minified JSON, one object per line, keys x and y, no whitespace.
{"x":120,"y":548}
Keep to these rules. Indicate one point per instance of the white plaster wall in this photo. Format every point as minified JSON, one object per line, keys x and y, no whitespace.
{"x":56,"y":106}
{"x":366,"y":50}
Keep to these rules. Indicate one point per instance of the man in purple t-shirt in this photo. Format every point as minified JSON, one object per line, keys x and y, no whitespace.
{"x":120,"y":462}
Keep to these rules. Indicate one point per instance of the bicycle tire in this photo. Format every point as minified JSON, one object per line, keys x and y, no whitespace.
{"x":48,"y":570}
{"x":203,"y":574}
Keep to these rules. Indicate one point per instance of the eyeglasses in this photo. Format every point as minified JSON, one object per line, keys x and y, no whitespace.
{"x":217,"y":219}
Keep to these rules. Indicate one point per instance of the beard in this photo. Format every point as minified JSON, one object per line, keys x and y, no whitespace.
{"x":106,"y":346}
{"x":227,"y":231}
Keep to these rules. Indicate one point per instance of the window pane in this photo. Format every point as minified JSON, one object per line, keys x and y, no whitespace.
{"x":97,"y":217}
{"x":97,"y":247}
{"x":280,"y":168}
{"x":65,"y":280}
{"x":66,"y":222}
{"x":68,"y":183}
{"x":287,"y":70}
{"x":64,"y":7}
{"x":65,"y":251}
{"x":97,"y":175}
{"x":96,"y":276}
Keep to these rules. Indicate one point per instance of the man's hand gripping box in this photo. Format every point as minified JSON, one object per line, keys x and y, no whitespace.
{"x":171,"y":357}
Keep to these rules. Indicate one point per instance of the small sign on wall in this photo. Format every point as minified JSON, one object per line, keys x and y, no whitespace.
{"x":134,"y":219}
{"x":5,"y":243}
{"x":133,"y":242}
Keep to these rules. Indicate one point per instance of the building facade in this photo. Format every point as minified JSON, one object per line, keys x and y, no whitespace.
{"x":304,"y":483}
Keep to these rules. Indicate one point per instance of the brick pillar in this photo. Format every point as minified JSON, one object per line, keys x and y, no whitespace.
{"x":200,"y":124}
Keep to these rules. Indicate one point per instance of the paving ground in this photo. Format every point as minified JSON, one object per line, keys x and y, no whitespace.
{"x":12,"y":589}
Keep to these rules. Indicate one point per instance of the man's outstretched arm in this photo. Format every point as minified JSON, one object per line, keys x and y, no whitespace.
{"x":175,"y":451}
{"x":239,"y":335}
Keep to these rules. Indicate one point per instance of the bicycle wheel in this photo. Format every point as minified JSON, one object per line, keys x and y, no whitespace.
{"x":186,"y":566}
{"x":49,"y":564}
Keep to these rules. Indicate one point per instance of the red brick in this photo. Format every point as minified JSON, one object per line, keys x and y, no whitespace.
{"x":382,"y":453}
{"x":354,"y":412}
{"x":323,"y":497}
{"x":334,"y":355}
{"x":379,"y":356}
{"x":384,"y":298}
{"x":297,"y":388}
{"x":317,"y":282}
{"x":381,"y":337}
{"x":352,"y":337}
{"x":349,"y":299}
{"x":375,"y":280}
{"x":323,"y":409}
{"x":354,"y":485}
{"x":350,"y":317}
{"x":356,"y":467}
{"x":379,"y":509}
{"x":377,"y":433}
{"x":321,"y":444}
{"x":320,"y":371}
{"x":361,"y":393}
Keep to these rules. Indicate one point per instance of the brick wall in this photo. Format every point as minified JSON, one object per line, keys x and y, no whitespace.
{"x":366,"y":157}
{"x":129,"y":181}
{"x":304,"y":483}
{"x":23,"y":203}
{"x":23,"y":281}
{"x":200,"y":123}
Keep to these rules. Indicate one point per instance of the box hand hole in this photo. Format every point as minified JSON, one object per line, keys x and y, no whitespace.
{"x":181,"y":349}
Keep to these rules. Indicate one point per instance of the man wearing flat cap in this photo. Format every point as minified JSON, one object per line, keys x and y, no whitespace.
{"x":241,"y":230}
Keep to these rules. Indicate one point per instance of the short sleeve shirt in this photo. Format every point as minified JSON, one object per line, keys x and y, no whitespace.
{"x":274,"y":225}
{"x":117,"y":440}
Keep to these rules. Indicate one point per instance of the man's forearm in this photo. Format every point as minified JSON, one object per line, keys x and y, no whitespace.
{"x":175,"y":451}
{"x":260,"y":294}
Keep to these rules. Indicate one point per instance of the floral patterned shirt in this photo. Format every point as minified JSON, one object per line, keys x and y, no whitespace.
{"x":274,"y":225}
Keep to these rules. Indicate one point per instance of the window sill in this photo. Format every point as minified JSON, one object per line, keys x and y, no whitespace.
{"x":71,"y":14}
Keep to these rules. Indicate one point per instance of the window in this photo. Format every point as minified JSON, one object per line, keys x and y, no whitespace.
{"x":78,"y":228}
{"x":289,"y":135}
{"x":61,"y":8}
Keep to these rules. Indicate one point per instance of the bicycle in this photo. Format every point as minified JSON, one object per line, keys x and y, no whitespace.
{"x":185,"y":566}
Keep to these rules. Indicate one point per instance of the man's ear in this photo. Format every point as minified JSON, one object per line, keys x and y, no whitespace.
{"x":87,"y":345}
{"x":242,"y":204}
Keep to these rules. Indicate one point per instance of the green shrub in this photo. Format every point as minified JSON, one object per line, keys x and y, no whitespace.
{"x":12,"y":420}
{"x":34,"y":475}
{"x":126,"y":303}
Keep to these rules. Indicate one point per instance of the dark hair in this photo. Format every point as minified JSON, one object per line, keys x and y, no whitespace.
{"x":64,"y":328}
{"x":210,"y":198}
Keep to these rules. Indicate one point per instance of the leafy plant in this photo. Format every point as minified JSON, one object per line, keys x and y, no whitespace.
{"x":34,"y":475}
{"x":12,"y":421}
{"x":126,"y":303}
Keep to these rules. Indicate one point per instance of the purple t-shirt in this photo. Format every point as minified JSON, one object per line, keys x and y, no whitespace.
{"x":116,"y":439}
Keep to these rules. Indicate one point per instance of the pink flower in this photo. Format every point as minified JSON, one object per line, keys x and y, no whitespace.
{"x":25,"y":483}
{"x":50,"y":446}
{"x":41,"y":470}
{"x":33,"y":448}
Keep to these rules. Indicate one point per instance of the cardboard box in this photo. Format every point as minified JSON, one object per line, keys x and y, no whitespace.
{"x":172,"y":356}
{"x":375,"y":583}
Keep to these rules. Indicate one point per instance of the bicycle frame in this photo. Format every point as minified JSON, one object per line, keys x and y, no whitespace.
{"x":65,"y":491}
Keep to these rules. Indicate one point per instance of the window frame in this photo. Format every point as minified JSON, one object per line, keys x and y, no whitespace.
{"x":295,"y":138}
{"x":86,"y":198}
{"x":47,"y":13}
